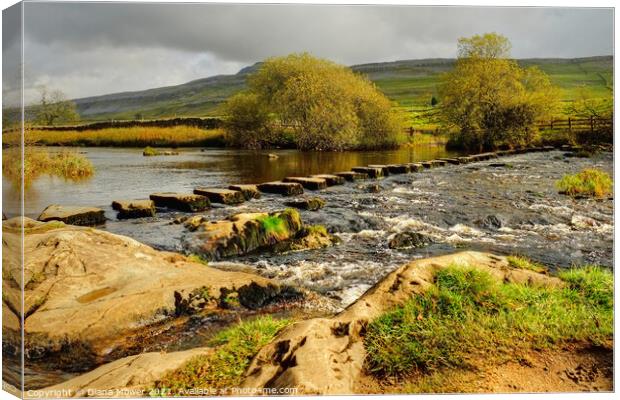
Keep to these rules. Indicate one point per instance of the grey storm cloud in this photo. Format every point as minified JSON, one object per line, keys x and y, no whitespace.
{"x":95,"y":48}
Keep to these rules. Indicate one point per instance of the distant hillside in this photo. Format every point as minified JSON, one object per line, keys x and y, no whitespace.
{"x":409,"y":82}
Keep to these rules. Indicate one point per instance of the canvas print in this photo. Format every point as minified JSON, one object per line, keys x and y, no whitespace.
{"x":203,"y":199}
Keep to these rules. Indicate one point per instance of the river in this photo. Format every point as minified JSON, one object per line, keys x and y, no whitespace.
{"x":507,"y":206}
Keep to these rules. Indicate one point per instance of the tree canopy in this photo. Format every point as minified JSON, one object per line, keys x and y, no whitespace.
{"x":490,"y":99}
{"x":322,"y":105}
{"x":54,"y":107}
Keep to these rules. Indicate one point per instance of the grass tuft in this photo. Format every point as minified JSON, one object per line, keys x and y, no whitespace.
{"x":67,"y":164}
{"x":468,"y":315}
{"x":224,"y":367}
{"x":590,"y":182}
{"x":524,"y":263}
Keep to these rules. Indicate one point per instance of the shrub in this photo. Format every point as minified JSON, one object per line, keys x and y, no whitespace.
{"x":589,"y":182}
{"x":490,"y":99}
{"x":468,"y":314}
{"x":326,"y":106}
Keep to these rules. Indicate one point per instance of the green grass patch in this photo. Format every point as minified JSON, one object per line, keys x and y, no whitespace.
{"x":235,"y":348}
{"x":590,"y":182}
{"x":149,"y":152}
{"x":273,"y":224}
{"x":469,"y":315}
{"x":525,"y":263}
{"x":197,"y":259}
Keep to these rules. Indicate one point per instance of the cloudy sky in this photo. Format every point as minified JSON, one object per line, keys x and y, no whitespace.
{"x":90,"y":49}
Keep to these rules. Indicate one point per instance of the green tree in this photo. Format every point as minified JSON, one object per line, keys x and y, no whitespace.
{"x":325,"y":105}
{"x":247,"y":124}
{"x":490,"y":99}
{"x":54,"y":107}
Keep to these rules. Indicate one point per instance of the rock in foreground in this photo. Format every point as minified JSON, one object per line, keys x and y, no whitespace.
{"x":84,"y":216}
{"x":310,"y":204}
{"x":86,"y":289}
{"x":241,"y":233}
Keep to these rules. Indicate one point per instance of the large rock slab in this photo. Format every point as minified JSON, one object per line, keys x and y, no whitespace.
{"x":415,"y":167}
{"x":85,"y":216}
{"x":86,"y":290}
{"x":134,"y":208}
{"x":331,"y":180}
{"x":308,"y":183}
{"x":382,"y":167}
{"x":241,"y":233}
{"x":326,"y":355}
{"x":181,"y":201}
{"x":370,"y":171}
{"x":249,"y":191}
{"x":223,"y":196}
{"x":283,"y":188}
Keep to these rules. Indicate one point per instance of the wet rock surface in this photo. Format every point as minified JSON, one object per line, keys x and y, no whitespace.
{"x":84,"y":216}
{"x":134,"y":208}
{"x":181,"y":201}
{"x":223,"y":196}
{"x":248,"y":191}
{"x":311,"y":204}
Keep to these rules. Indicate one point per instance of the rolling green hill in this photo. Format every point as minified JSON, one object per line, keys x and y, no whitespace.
{"x":411,"y":83}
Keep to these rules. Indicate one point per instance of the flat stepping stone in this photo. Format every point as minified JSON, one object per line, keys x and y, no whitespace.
{"x":383,"y":167}
{"x":181,"y":201}
{"x":248,"y":191}
{"x":427,"y":164}
{"x":72,"y":215}
{"x":439,"y":163}
{"x":465,"y":160}
{"x":222,"y":196}
{"x":310,"y":204}
{"x":415,"y":167}
{"x":370,"y":171}
{"x":308,"y":183}
{"x":398,"y":169}
{"x":331,"y":180}
{"x":352,"y":175}
{"x":134,"y":208}
{"x":452,"y":161}
{"x":283,"y":188}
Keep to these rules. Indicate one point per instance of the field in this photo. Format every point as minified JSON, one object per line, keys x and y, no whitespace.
{"x":410,"y":83}
{"x":177,"y":136}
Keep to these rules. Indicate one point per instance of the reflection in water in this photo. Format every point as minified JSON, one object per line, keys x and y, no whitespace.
{"x":123,"y":173}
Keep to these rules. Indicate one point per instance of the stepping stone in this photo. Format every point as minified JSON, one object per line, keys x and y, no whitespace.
{"x":398,"y":169}
{"x":310,"y":204}
{"x":384,"y":168}
{"x":181,"y":201}
{"x":71,"y":215}
{"x":452,"y":161}
{"x":222,"y":196}
{"x":134,"y":208}
{"x":465,"y":160}
{"x":352,"y":176}
{"x":308,"y":183}
{"x":248,"y":191}
{"x":439,"y":163}
{"x":428,"y":164}
{"x":415,"y":167}
{"x":283,"y":188}
{"x":548,"y":148}
{"x":330,"y":179}
{"x":371,"y":172}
